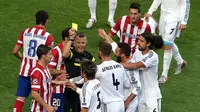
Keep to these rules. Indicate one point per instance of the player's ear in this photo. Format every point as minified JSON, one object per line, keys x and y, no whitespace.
{"x":46,"y":22}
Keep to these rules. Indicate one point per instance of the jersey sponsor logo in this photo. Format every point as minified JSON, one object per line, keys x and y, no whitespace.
{"x":35,"y":81}
{"x":130,"y":35}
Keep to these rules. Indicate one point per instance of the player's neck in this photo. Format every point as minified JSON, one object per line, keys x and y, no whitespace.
{"x":105,"y":58}
{"x":135,"y":23}
{"x":42,"y":63}
{"x":40,"y":25}
{"x":85,"y":79}
{"x":145,"y":51}
{"x":126,"y":59}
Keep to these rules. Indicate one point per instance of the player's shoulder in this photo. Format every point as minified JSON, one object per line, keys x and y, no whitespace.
{"x":88,"y":55}
{"x":93,"y":85}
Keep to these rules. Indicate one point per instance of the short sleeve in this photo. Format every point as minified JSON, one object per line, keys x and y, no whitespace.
{"x":20,"y":39}
{"x":36,"y":80}
{"x":50,"y":41}
{"x":54,"y":60}
{"x":116,"y":28}
{"x":150,"y":60}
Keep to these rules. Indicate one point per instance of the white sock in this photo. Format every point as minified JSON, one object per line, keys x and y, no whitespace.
{"x":166,"y":62}
{"x":92,"y":7}
{"x":176,"y":54}
{"x":112,"y":8}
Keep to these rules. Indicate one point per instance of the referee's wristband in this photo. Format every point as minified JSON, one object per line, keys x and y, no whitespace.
{"x":78,"y":90}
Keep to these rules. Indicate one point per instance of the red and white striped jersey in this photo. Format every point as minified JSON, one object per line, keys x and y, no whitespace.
{"x":57,"y":63}
{"x":41,"y":82}
{"x":30,"y":39}
{"x":129,"y":33}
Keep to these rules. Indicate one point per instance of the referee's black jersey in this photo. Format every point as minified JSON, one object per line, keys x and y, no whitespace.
{"x":73,"y":62}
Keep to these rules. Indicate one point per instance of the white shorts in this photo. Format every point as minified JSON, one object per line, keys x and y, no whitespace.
{"x":115,"y":107}
{"x":168,"y":27}
{"x":133,"y":105}
{"x":155,"y":107}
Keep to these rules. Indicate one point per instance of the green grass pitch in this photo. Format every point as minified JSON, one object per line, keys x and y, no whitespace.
{"x":180,"y":93}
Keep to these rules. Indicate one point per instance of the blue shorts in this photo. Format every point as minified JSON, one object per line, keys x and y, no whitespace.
{"x":24,"y":86}
{"x":58,"y":101}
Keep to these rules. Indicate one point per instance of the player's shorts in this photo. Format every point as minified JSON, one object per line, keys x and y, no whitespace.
{"x":151,"y":107}
{"x":58,"y":101}
{"x":24,"y":86}
{"x":115,"y":107}
{"x":168,"y":27}
{"x":132,"y":107}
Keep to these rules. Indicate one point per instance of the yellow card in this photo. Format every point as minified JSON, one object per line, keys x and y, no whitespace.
{"x":75,"y":26}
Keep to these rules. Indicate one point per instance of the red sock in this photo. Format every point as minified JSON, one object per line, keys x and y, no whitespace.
{"x":18,"y":106}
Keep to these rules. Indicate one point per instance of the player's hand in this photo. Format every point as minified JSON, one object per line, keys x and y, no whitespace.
{"x":62,"y":77}
{"x":71,"y":85}
{"x":102,"y":33}
{"x":182,"y":27}
{"x":125,"y":105}
{"x":50,"y":109}
{"x":146,"y":17}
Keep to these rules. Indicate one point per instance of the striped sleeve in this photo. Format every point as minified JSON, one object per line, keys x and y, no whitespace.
{"x":50,"y":41}
{"x":54,"y":60}
{"x":116,"y":28}
{"x":20,"y":39}
{"x":36,"y":80}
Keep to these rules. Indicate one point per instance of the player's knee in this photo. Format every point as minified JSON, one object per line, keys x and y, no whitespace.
{"x":21,"y":98}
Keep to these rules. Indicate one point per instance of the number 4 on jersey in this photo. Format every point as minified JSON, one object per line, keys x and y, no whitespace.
{"x":115,"y":81}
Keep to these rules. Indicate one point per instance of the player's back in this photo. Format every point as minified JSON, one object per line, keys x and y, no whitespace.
{"x":91,"y":96}
{"x":111,"y":76}
{"x":31,"y":38}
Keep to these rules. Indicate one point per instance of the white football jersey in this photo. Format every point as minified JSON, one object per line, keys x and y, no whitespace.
{"x":90,"y":96}
{"x":133,"y":76}
{"x":179,"y":8}
{"x":113,"y":80}
{"x":148,"y":76}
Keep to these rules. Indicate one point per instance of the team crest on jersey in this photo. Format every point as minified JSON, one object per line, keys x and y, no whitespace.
{"x":35,"y":81}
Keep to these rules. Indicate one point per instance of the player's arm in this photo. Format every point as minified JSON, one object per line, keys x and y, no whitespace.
{"x":54,"y":71}
{"x":18,"y":45}
{"x":115,"y":29}
{"x":104,"y":36}
{"x":185,"y":7}
{"x":73,"y":87}
{"x":154,"y":7}
{"x":133,"y":65}
{"x":16,"y":51}
{"x":129,"y":99}
{"x":66,"y":49}
{"x":39,"y":99}
{"x":84,"y":109}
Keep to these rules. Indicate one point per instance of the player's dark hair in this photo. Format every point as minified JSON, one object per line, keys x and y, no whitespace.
{"x":42,"y":50}
{"x":125,"y":49}
{"x":105,"y":48}
{"x":89,"y":68}
{"x":135,"y":5}
{"x":41,"y":17}
{"x":156,"y":41}
{"x":65,"y":33}
{"x":80,"y":35}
